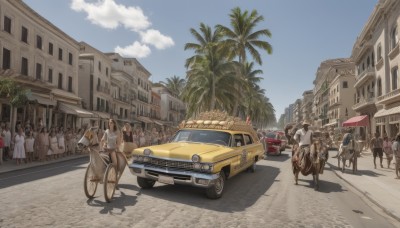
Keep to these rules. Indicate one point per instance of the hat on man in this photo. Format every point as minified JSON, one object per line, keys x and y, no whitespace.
{"x":305,"y":122}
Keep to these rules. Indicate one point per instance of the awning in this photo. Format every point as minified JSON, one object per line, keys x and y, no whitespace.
{"x":386,"y":112}
{"x":159,"y":123}
{"x":101,"y":115}
{"x":357,"y":121}
{"x":74,"y":110}
{"x":144,"y":119}
{"x":41,"y":100}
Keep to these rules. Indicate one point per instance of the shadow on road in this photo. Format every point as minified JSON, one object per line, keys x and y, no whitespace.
{"x":40,"y":172}
{"x":279,"y":158}
{"x":117,"y":206}
{"x":240,"y":192}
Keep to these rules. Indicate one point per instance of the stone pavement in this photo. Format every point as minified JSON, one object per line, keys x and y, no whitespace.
{"x":10,"y":165}
{"x":377,"y":185}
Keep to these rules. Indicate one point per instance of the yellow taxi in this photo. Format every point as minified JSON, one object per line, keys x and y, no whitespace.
{"x":204,"y":152}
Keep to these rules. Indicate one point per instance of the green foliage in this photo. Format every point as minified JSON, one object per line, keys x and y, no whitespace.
{"x":17,"y":95}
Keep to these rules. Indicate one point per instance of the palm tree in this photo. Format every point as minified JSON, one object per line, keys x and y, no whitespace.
{"x":175,"y":85}
{"x":242,"y":38}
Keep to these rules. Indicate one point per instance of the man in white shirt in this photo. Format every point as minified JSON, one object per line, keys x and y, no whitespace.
{"x":304,"y":137}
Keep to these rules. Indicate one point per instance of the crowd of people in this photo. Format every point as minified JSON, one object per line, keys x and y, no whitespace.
{"x":41,"y":144}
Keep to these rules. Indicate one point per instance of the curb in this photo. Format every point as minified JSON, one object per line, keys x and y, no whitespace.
{"x":364,"y":193}
{"x":42,"y":163}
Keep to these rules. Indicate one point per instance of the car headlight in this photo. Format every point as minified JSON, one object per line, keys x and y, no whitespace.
{"x":205,"y":167}
{"x":196,"y":166}
{"x":147,"y":152}
{"x":196,"y":158}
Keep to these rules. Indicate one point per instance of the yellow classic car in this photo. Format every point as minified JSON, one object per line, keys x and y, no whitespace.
{"x":203,"y":153}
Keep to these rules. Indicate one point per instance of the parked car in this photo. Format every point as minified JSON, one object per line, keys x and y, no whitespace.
{"x":203,"y":153}
{"x":284,"y":140}
{"x":275,"y":143}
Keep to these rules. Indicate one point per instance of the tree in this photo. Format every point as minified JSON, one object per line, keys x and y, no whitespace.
{"x":242,"y":38}
{"x":175,"y":85}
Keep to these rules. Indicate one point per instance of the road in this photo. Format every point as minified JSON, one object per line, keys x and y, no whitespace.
{"x":52,"y":196}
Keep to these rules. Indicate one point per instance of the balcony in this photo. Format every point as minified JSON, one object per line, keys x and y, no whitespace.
{"x":103,"y":89}
{"x":336,"y":103}
{"x":366,"y":75}
{"x":364,"y":103}
{"x":394,"y":52}
{"x":389,"y":97}
{"x":379,"y":64}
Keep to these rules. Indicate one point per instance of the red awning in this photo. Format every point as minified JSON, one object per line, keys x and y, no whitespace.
{"x":357,"y":121}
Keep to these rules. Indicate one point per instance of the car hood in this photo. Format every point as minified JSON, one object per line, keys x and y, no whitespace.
{"x":185,"y":151}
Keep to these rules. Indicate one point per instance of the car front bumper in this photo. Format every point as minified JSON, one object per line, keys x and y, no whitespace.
{"x":167,"y":176}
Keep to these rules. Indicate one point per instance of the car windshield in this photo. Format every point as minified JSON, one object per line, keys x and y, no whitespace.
{"x":202,"y":136}
{"x":271,"y":135}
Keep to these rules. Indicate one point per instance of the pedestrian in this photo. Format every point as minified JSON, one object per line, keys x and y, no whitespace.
{"x":127,"y":144}
{"x":1,"y":147}
{"x":29,"y":145}
{"x":396,"y":153}
{"x":53,"y":145}
{"x":19,"y":146}
{"x":376,"y":146}
{"x":42,"y":142}
{"x":142,"y":139}
{"x":61,"y":142}
{"x":387,"y":148}
{"x":7,"y":143}
{"x":154,"y":136}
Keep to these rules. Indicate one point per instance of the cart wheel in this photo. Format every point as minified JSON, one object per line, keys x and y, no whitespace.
{"x":110,"y":182}
{"x":90,"y":183}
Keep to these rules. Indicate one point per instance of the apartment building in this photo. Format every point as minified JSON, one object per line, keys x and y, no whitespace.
{"x":376,"y":56}
{"x":297,"y":114}
{"x":42,"y":58}
{"x":306,"y":105}
{"x":173,"y":109}
{"x":95,"y":84}
{"x":341,"y":93}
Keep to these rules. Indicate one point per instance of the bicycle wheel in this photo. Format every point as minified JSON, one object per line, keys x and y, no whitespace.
{"x":90,"y":183}
{"x":110,"y":182}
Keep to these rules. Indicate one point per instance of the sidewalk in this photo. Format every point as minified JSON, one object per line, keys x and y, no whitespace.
{"x":10,"y":165}
{"x":377,"y":185}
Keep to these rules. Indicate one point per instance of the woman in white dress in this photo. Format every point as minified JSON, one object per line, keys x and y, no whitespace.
{"x":19,"y":146}
{"x":111,"y":141}
{"x":61,"y":143}
{"x":53,"y":148}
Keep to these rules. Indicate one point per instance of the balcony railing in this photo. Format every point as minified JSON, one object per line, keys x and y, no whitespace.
{"x":362,"y":102}
{"x":103,"y":89}
{"x":394,"y":52}
{"x":389,"y":96}
{"x":367,"y":72}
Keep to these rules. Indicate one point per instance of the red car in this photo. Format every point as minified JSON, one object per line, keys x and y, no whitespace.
{"x":276,"y":143}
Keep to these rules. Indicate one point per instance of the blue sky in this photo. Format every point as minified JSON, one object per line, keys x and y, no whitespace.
{"x":304,"y":33}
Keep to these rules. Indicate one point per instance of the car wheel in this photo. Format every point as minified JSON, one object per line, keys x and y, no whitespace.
{"x":145,"y":183}
{"x":215,"y":191}
{"x":252,"y":168}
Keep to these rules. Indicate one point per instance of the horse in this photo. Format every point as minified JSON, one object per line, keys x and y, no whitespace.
{"x":311,"y":160}
{"x":349,"y":152}
{"x":98,"y":159}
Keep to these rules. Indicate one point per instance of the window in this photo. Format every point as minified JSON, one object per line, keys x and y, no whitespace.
{"x":99,"y":66}
{"x":379,"y":52}
{"x":238,"y":140}
{"x":60,"y":54}
{"x":394,"y":78}
{"x":379,"y":85}
{"x":24,"y":34}
{"x":121,"y":111}
{"x":51,"y":75}
{"x":39,"y":42}
{"x":373,"y":59}
{"x":24,"y":66}
{"x":106,"y":71}
{"x":38,"y":71}
{"x":345,"y":84}
{"x":51,"y":48}
{"x":7,"y":24}
{"x":248,"y":139}
{"x":394,"y":39}
{"x":368,"y":62}
{"x":98,"y":82}
{"x":6,"y":58}
{"x":70,"y":58}
{"x":60,"y":81}
{"x":69,"y":84}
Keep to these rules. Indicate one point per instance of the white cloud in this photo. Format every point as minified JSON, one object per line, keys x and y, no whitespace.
{"x":154,"y":37}
{"x":108,"y":14}
{"x":136,"y":50}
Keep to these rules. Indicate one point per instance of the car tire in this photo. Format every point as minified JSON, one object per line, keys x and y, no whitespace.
{"x":253,"y":167}
{"x":215,"y":191}
{"x":145,"y":183}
